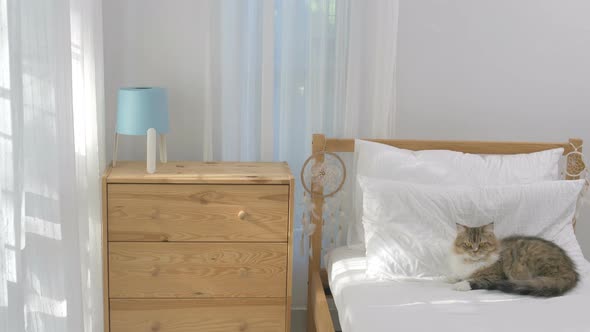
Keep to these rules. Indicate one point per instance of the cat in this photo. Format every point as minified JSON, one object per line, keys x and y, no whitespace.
{"x":523,"y":265}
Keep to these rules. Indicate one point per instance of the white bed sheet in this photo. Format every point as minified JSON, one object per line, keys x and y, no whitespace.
{"x":369,"y":305}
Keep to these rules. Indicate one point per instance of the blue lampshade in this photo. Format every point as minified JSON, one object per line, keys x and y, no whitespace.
{"x":142,"y":108}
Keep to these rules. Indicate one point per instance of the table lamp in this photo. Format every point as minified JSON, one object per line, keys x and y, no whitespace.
{"x":143,"y":111}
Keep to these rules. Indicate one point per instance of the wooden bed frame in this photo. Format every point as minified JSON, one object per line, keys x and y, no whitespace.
{"x":318,"y":313}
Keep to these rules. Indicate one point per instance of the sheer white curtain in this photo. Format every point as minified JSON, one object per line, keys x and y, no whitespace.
{"x":336,"y":72}
{"x":51,"y":138}
{"x":277,"y":71}
{"x":239,"y":112}
{"x":282,"y":70}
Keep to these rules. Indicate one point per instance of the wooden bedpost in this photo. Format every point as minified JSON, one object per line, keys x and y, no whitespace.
{"x":318,"y":144}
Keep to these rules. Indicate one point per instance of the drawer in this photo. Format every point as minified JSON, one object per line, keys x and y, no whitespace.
{"x":212,"y":315}
{"x":178,"y":212}
{"x":197,"y":270}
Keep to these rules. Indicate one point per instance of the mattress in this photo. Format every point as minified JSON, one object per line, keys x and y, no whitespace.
{"x":366,"y":304}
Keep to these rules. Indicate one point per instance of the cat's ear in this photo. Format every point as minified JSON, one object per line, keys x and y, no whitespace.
{"x":461,"y":228}
{"x":489,"y":227}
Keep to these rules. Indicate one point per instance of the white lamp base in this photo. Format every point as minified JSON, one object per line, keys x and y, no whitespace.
{"x":151,"y":151}
{"x":115,"y":148}
{"x":163,"y":149}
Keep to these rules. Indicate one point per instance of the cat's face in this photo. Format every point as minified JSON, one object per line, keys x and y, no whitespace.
{"x":476,"y":243}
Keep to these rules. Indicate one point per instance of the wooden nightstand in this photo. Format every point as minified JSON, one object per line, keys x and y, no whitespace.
{"x":198,"y":247}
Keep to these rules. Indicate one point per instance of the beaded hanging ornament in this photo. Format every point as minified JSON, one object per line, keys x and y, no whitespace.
{"x":322,"y":176}
{"x":576,"y":168}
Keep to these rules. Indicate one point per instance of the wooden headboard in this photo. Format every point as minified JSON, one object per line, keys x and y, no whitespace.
{"x":318,"y":316}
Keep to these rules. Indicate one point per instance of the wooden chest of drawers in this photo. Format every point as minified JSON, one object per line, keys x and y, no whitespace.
{"x":197,"y":247}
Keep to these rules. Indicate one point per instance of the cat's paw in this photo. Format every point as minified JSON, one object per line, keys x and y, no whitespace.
{"x":452,"y":280}
{"x":462,"y":286}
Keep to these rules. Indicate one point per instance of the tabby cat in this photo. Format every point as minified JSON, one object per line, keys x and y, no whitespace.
{"x":517,"y":264}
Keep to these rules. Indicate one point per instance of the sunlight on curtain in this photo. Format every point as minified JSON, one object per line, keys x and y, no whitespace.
{"x":335,"y":72}
{"x":239,"y":115}
{"x":282,"y":70}
{"x":288,"y":69}
{"x":7,"y":252}
{"x":50,"y":143}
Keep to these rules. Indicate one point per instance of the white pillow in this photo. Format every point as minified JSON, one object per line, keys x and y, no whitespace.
{"x":409,"y":228}
{"x":445,"y":167}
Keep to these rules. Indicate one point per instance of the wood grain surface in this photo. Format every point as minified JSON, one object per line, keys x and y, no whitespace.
{"x":315,"y":242}
{"x":173,"y":212}
{"x":211,"y":315}
{"x":476,"y":147}
{"x":198,"y":247}
{"x":197,"y":270}
{"x":202,"y":172}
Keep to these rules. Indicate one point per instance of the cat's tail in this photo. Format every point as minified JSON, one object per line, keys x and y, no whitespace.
{"x":539,"y":286}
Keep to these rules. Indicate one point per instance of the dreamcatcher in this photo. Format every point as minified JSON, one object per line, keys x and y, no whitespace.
{"x":323,"y":175}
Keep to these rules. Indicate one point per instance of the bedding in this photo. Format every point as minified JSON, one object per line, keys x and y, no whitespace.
{"x":409,"y":228}
{"x":366,"y":304}
{"x":444,"y":167}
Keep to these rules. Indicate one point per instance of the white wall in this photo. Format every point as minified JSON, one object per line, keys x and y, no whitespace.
{"x":497,"y":70}
{"x":467,"y":69}
{"x":158,"y":43}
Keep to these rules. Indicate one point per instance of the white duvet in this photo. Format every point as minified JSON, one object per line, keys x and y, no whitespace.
{"x":367,"y":305}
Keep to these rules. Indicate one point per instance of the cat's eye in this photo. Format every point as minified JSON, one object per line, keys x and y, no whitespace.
{"x":466,"y":245}
{"x":484,"y":245}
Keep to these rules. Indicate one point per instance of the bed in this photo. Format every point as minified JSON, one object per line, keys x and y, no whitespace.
{"x":366,"y":304}
{"x":370,"y":305}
